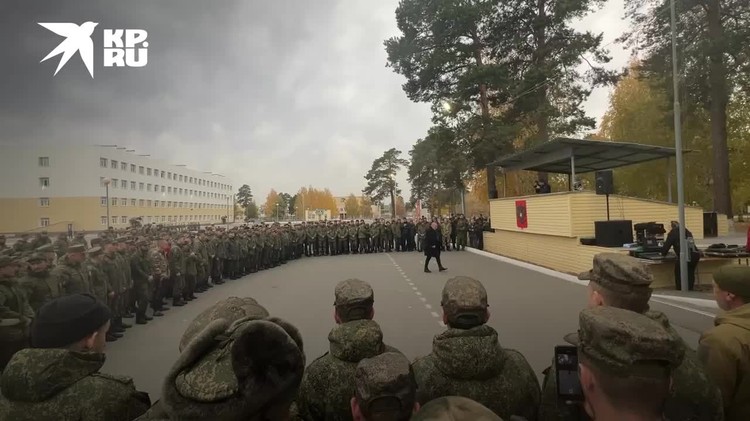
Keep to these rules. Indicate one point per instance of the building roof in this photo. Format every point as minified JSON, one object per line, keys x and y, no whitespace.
{"x":588,"y":156}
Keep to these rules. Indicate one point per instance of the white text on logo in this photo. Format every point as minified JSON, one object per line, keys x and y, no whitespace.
{"x":132,"y":52}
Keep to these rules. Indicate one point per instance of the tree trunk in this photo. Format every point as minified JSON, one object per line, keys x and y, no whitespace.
{"x":393,"y":204}
{"x":485,"y":107}
{"x":542,"y":122}
{"x":718,"y":109}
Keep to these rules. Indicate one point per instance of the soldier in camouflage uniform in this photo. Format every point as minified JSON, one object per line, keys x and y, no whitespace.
{"x":384,"y":388}
{"x":40,"y":286}
{"x":140,"y":269}
{"x":177,"y":271}
{"x":422,"y":226}
{"x":80,"y":239}
{"x":375,"y":231}
{"x":70,"y":273}
{"x":396,"y":228}
{"x":126,"y":298}
{"x":58,"y":378}
{"x":626,"y":363}
{"x":243,"y":369}
{"x":112,"y":268}
{"x":61,"y":244}
{"x":621,"y":281}
{"x":388,"y":236}
{"x":445,"y":228}
{"x":48,"y":252}
{"x":15,"y":312}
{"x":331,"y":239}
{"x":363,"y":233}
{"x":22,"y":245}
{"x":462,"y":226}
{"x":328,"y":384}
{"x":467,"y":359}
{"x":160,"y":273}
{"x":191,"y":270}
{"x":342,"y":239}
{"x":40,"y":239}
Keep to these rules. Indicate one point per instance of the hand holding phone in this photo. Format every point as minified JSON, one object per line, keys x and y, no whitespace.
{"x":566,"y":368}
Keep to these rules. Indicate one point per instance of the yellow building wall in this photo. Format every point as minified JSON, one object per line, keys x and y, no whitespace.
{"x":23,"y":215}
{"x":588,"y":207}
{"x":723,"y":225}
{"x":546,"y":214}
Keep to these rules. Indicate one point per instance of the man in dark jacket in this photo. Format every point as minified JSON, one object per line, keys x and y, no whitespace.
{"x":432,"y":242}
{"x":673,"y":240}
{"x":58,"y":378}
{"x":467,"y":359}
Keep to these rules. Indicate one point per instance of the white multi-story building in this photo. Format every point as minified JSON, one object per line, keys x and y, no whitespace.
{"x":89,"y":188}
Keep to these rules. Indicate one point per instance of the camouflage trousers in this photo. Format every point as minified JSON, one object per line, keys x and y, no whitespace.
{"x":141,"y":293}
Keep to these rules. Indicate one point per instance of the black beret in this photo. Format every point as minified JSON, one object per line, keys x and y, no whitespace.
{"x":67,"y":320}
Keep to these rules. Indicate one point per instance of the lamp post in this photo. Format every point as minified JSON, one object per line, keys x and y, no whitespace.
{"x":107,"y":181}
{"x":678,"y":152}
{"x":277,"y":212}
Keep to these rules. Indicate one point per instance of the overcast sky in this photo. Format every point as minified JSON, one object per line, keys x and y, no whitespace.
{"x":275,"y":94}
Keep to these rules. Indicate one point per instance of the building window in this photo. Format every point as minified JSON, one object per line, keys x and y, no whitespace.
{"x":124,"y":184}
{"x":162,"y":189}
{"x":103,"y":162}
{"x":140,"y":186}
{"x":162,"y":174}
{"x":163,"y":204}
{"x":114,"y":164}
{"x":140,"y":169}
{"x":44,"y":182}
{"x":103,"y":201}
{"x":44,"y":202}
{"x":124,"y":219}
{"x":169,"y":219}
{"x":123,"y":166}
{"x":132,"y":185}
{"x":44,"y":161}
{"x":140,"y":202}
{"x":163,"y":218}
{"x":103,"y":220}
{"x":180,"y":178}
{"x":114,"y":183}
{"x":169,"y":190}
{"x":148,"y":203}
{"x":114,"y":201}
{"x":180,"y":191}
{"x":132,"y":167}
{"x":123,"y":202}
{"x":114,"y":220}
{"x":156,"y":188}
{"x":43,"y":222}
{"x":148,"y":187}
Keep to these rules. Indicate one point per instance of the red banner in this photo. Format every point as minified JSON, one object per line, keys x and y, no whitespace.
{"x":522,"y":220}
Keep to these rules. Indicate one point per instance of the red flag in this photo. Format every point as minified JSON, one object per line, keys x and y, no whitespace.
{"x":522,"y":220}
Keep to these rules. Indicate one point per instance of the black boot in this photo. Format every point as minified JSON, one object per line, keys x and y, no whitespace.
{"x":140,"y":319}
{"x":177,"y":302}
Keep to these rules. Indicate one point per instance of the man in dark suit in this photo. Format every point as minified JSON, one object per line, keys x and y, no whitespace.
{"x":694,"y":255}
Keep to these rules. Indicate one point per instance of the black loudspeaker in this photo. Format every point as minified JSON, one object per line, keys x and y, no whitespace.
{"x":604,"y":182}
{"x":613,"y":233}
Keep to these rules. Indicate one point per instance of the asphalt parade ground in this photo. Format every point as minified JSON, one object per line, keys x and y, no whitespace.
{"x":530,"y":308}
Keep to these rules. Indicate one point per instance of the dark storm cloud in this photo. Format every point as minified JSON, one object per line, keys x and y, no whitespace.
{"x":276,"y":94}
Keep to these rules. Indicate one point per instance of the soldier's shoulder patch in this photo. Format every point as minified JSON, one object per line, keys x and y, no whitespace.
{"x":125,"y":380}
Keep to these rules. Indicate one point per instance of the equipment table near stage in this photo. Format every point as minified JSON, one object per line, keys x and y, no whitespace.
{"x":548,"y":230}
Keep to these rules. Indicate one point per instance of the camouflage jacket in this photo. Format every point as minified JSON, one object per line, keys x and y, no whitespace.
{"x":176,"y":261}
{"x":73,"y":278}
{"x":462,"y":225}
{"x":98,"y":279}
{"x":692,"y":396}
{"x":139,"y":267}
{"x":158,"y":263}
{"x":396,"y":229}
{"x":111,"y":268}
{"x":191,"y":261}
{"x":471,"y":363}
{"x":123,"y":259}
{"x":328,"y":384}
{"x":40,"y":287}
{"x":57,"y":384}
{"x":15,"y":312}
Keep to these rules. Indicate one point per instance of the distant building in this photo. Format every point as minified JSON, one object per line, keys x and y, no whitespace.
{"x":61,"y":188}
{"x":341,"y":206}
{"x":312,"y":215}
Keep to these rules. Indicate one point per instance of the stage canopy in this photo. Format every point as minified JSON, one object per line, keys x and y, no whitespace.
{"x":578,"y":156}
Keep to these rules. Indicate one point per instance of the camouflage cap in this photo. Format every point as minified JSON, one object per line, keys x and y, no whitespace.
{"x":99,"y":241}
{"x":47,"y":248}
{"x":734,"y":279}
{"x":454,"y":408}
{"x":76,"y":248}
{"x":464,"y":300}
{"x":619,"y":273}
{"x":235,"y":371}
{"x":37,"y":257}
{"x":230,"y":309}
{"x":385,"y":386}
{"x":353,"y":298}
{"x":94,"y":251}
{"x":626,"y":343}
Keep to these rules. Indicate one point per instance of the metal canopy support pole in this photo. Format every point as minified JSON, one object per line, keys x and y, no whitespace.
{"x":678,"y":152}
{"x":572,"y":178}
{"x":669,"y":180}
